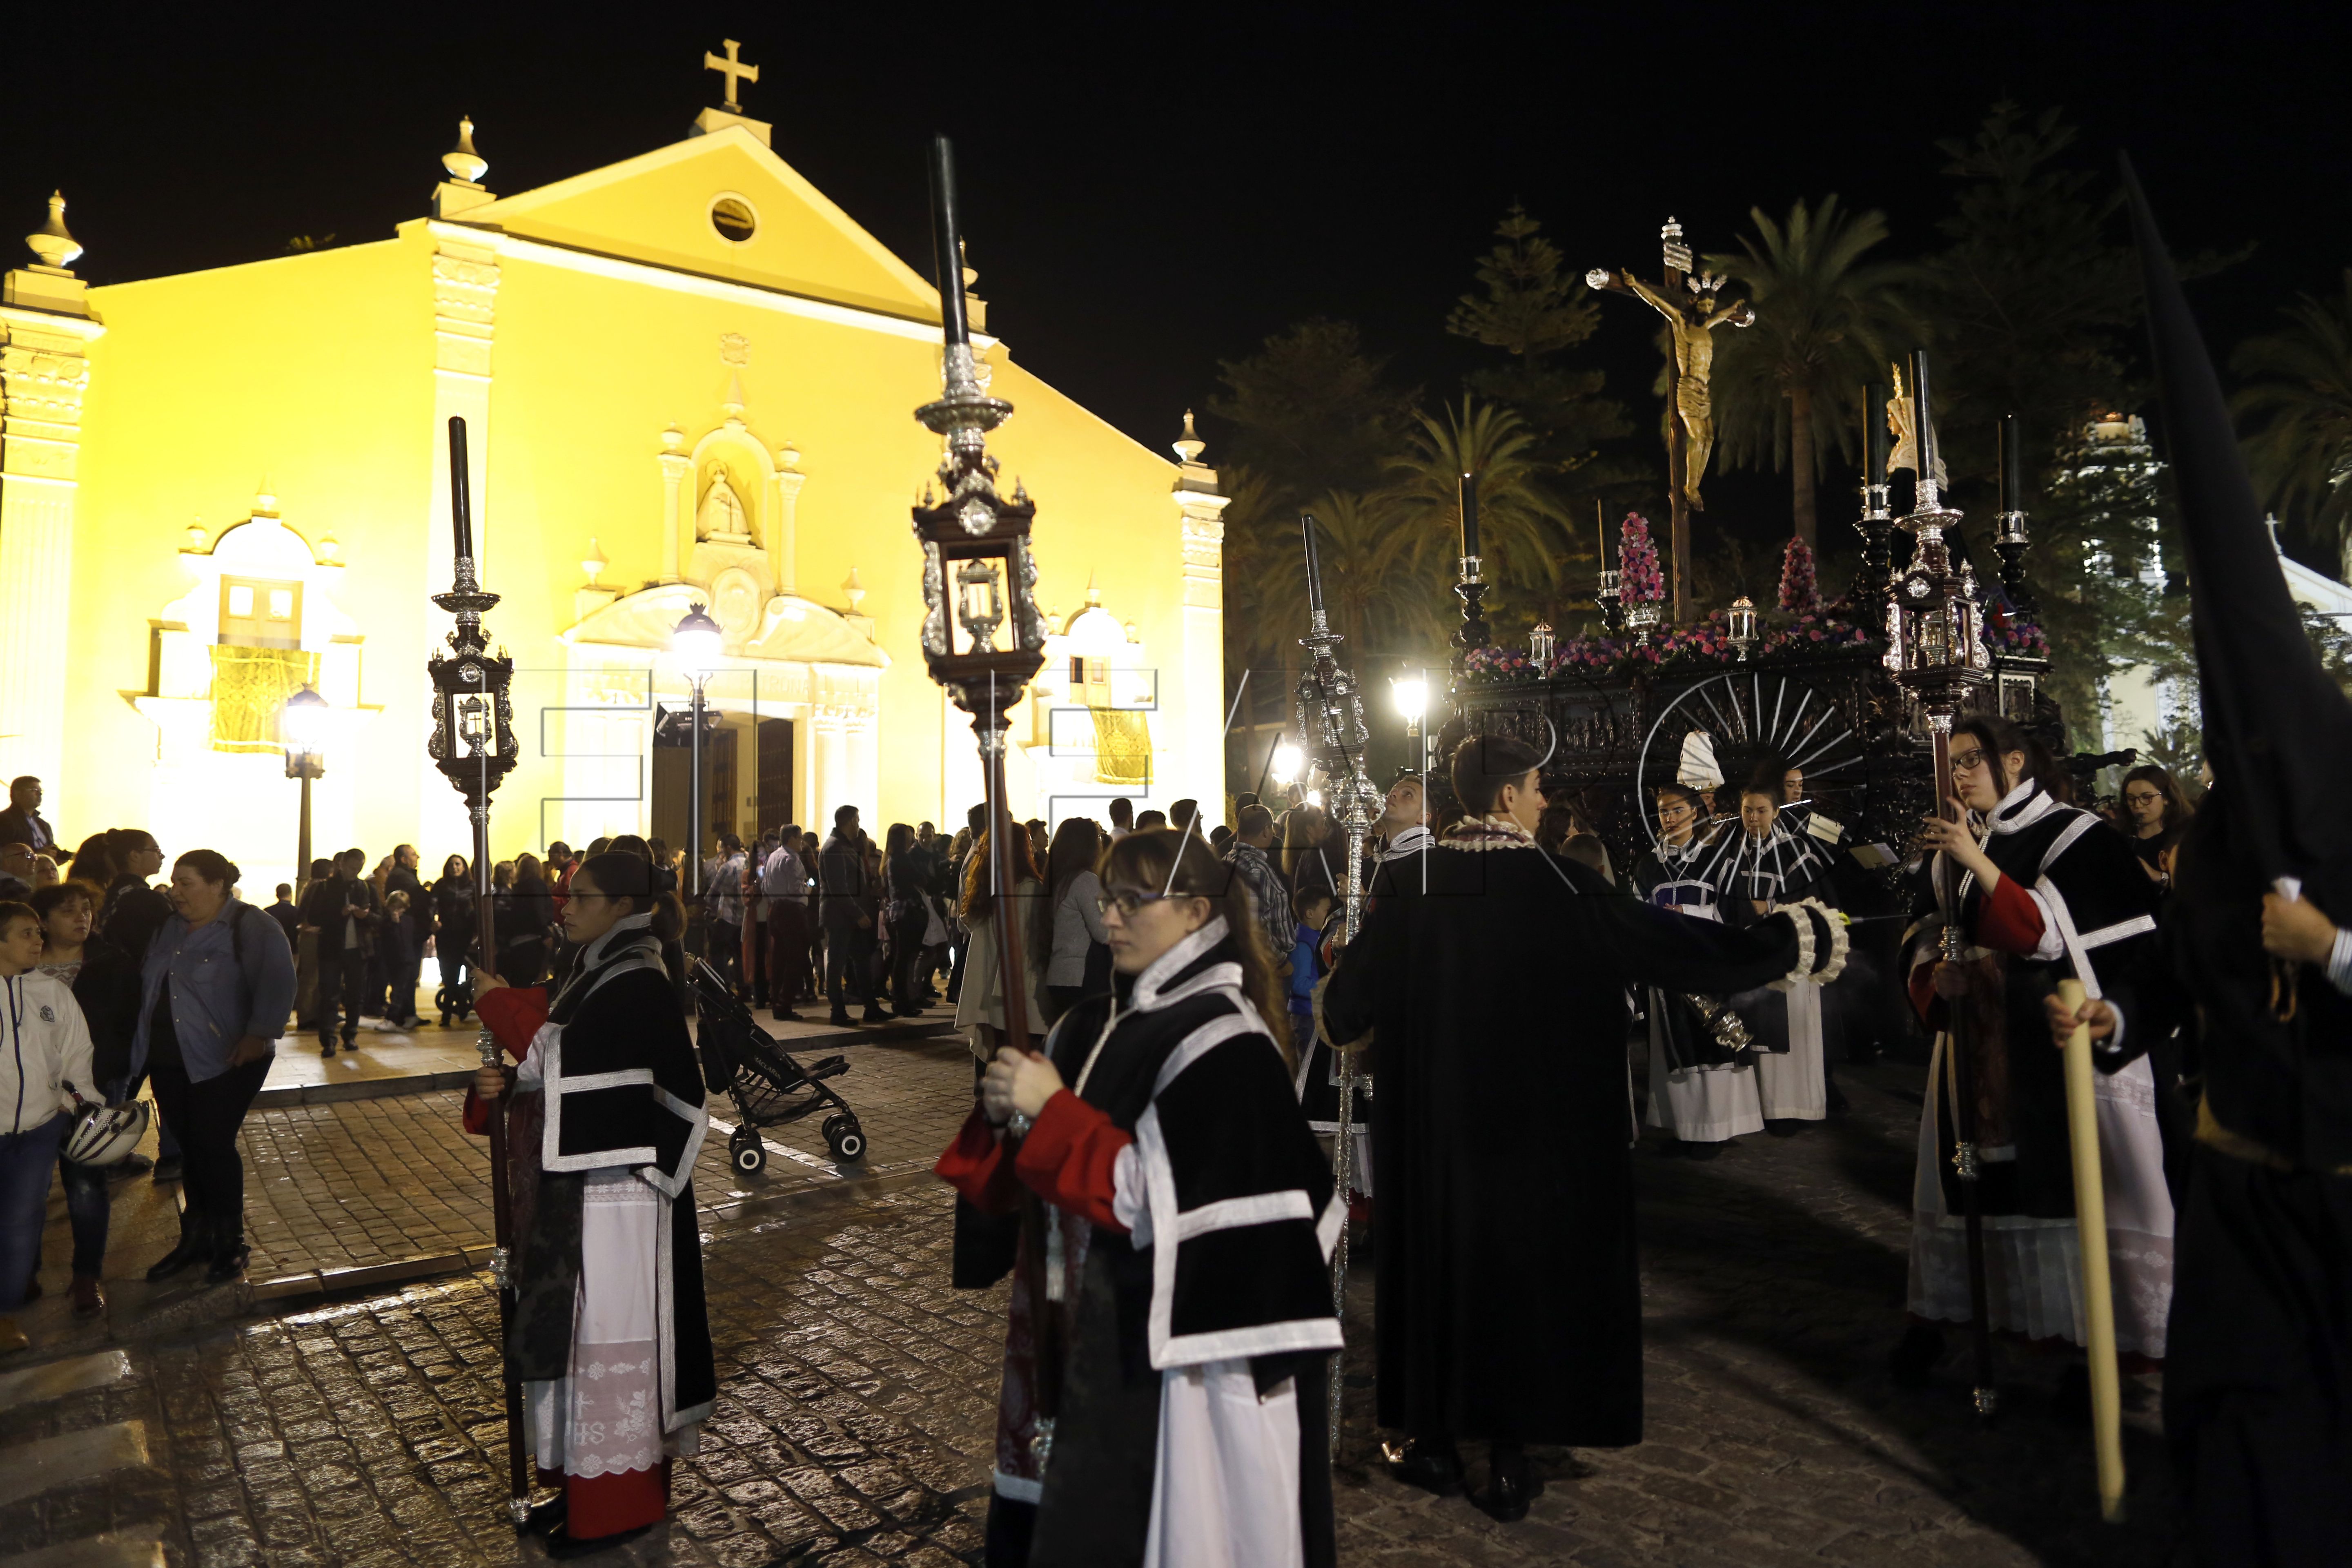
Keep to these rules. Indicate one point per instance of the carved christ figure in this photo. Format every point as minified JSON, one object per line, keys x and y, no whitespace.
{"x":1693,"y":326}
{"x":1902,"y":423}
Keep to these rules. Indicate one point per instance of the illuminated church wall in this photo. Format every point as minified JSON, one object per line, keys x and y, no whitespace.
{"x":614,"y":353}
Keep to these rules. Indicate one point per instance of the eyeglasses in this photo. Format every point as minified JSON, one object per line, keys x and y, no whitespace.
{"x":1963,"y":762}
{"x":1127,"y":901}
{"x":2141,"y":797}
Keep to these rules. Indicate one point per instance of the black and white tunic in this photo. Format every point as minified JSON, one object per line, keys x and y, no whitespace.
{"x":1191,"y":1428}
{"x":1701,"y":1091}
{"x":2097,"y":910}
{"x":611,"y":1337}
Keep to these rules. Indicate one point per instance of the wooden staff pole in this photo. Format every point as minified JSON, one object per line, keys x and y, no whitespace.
{"x":1962,"y":1067}
{"x":2098,"y":1290}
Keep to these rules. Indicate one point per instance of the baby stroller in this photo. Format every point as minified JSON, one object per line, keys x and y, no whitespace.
{"x":767,"y":1087}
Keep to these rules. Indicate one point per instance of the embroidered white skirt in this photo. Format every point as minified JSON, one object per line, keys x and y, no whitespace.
{"x":1790,"y":1083}
{"x":2033,"y":1267}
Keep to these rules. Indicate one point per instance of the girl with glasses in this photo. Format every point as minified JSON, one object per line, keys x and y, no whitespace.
{"x":1164,"y":1397}
{"x":2043,"y":892}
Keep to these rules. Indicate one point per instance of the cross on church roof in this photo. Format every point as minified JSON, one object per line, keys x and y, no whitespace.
{"x":730,"y":67}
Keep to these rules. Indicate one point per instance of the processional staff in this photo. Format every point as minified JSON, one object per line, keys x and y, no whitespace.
{"x":473,"y":745}
{"x":1331,"y":716}
{"x":984,"y":640}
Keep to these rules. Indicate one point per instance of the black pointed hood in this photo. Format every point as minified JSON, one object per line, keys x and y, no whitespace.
{"x":2278,"y":729}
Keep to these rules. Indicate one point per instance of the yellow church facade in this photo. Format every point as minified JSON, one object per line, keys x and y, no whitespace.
{"x":687,"y":378}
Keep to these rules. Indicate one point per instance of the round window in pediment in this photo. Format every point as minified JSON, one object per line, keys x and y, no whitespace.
{"x":733,"y":218}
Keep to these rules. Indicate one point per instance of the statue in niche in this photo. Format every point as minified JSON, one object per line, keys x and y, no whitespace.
{"x":721,"y":515}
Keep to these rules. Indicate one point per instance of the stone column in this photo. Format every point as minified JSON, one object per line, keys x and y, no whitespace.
{"x":784,"y":539}
{"x":1200,"y":672}
{"x":46,"y":331}
{"x":464,"y":311}
{"x":674,"y":467}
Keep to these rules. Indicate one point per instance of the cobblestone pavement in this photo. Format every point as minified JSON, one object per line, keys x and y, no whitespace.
{"x":857,"y":1390}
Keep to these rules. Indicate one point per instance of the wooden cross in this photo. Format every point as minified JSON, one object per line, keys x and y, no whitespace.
{"x":730,"y":67}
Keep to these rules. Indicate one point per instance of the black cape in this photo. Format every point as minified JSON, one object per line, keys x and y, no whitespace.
{"x":2258,"y":1380}
{"x":1510,"y":1304}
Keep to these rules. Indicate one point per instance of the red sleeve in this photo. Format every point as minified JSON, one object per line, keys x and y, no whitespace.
{"x":975,"y":1165}
{"x":2008,"y":919}
{"x":1071,"y":1158}
{"x":514,"y":1014}
{"x":1924,"y":1000}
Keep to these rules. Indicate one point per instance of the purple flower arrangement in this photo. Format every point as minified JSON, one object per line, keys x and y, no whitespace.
{"x":2023,"y":638}
{"x":1602,"y":655}
{"x":1801,"y":591}
{"x":1639,"y":580}
{"x":1498,"y":664}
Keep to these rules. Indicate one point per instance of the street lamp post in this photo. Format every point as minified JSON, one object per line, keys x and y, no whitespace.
{"x":1410,"y":694}
{"x":302,"y":729}
{"x":696,"y":641}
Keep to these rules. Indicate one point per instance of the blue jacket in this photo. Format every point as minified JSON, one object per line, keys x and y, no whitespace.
{"x":225,"y":984}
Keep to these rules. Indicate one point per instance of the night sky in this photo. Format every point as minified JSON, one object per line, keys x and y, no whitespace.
{"x":1150,"y":189}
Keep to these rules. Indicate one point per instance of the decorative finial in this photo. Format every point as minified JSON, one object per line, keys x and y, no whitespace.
{"x":594,"y":562}
{"x":197,"y":536}
{"x":731,"y":69}
{"x":265,"y":500}
{"x":464,"y":165}
{"x":50,"y":242}
{"x":1189,"y":446}
{"x":963,"y":263}
{"x":853,"y":590}
{"x":788,"y":458}
{"x":1094,"y":594}
{"x":329,"y":550}
{"x":734,"y":403}
{"x":673,"y":440}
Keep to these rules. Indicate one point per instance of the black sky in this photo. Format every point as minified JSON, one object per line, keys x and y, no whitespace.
{"x":1152,"y":189}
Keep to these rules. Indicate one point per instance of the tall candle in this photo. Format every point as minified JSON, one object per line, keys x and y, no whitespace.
{"x":1469,"y":515}
{"x":947,"y":253}
{"x":1601,"y":533}
{"x":461,"y":491}
{"x":1314,"y":566}
{"x":1876,"y":438}
{"x":1923,"y":426}
{"x":2013,"y":467}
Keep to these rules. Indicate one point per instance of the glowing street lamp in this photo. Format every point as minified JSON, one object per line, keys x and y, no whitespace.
{"x":1284,"y":767}
{"x":696,"y":641}
{"x":302,"y":729}
{"x":1411,"y":695}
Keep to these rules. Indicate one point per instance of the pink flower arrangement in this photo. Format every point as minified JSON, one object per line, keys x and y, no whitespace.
{"x":1495,"y":663}
{"x":2005,"y":635}
{"x":1799,"y":587}
{"x":1817,"y":630}
{"x":1639,"y":581}
{"x":1602,"y":655}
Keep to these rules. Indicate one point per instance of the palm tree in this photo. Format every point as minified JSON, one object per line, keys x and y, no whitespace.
{"x":2300,"y":402}
{"x":1783,"y":386}
{"x":1522,"y":536}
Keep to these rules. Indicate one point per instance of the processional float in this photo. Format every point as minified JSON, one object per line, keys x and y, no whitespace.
{"x":473,"y":745}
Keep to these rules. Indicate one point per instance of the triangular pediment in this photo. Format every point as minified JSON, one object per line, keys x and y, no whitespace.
{"x":659,"y":208}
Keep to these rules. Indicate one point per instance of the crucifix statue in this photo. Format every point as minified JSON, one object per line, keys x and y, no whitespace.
{"x":731,"y":69}
{"x":1687,"y":300}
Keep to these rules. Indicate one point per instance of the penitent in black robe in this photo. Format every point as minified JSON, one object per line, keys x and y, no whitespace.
{"x":1508,"y":1302}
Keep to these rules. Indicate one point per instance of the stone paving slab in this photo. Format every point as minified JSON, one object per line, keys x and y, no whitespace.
{"x":856,"y":1411}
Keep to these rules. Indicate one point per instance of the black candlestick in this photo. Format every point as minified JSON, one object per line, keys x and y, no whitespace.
{"x":2013,"y":467}
{"x":1469,"y":517}
{"x":947,"y":255}
{"x":1923,"y":427}
{"x":461,"y":492}
{"x":1876,"y":524}
{"x":1314,"y":570}
{"x":1877,"y":437}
